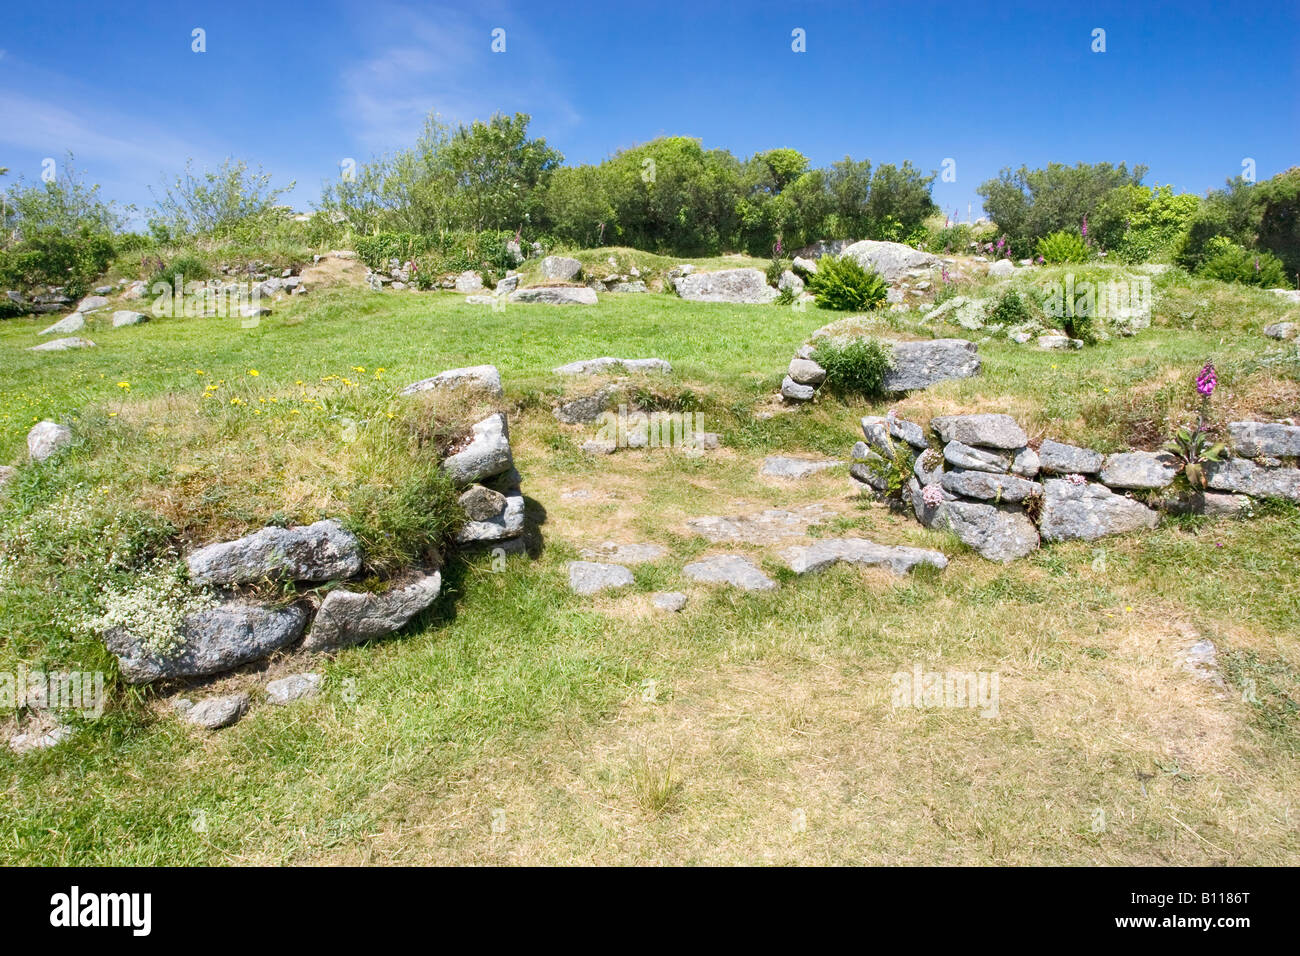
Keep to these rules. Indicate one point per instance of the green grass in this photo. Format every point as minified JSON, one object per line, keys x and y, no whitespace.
{"x":511,"y":723}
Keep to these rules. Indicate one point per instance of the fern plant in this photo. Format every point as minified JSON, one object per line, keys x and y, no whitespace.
{"x":843,"y":284}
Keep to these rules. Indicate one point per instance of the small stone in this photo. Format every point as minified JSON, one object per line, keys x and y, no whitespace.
{"x":1088,"y":511}
{"x":989,"y":430}
{"x":612,"y":551}
{"x":286,"y":690}
{"x":591,"y":577}
{"x":487,"y":454}
{"x":1258,"y":439}
{"x":668,"y":601}
{"x":777,"y":466}
{"x":806,"y":372}
{"x":482,"y":504}
{"x":826,"y":552}
{"x":1281,"y":330}
{"x":321,"y":551}
{"x":39,"y":740}
{"x":732,"y":569}
{"x":989,"y":487}
{"x":67,"y":325}
{"x":348,"y":617}
{"x":1138,"y":470}
{"x":217,"y":712}
{"x":63,"y":345}
{"x":1245,"y":477}
{"x":793,"y":391}
{"x":975,"y":459}
{"x":46,"y":438}
{"x":486,"y":378}
{"x":127,"y":317}
{"x":1063,"y":459}
{"x":596,"y":446}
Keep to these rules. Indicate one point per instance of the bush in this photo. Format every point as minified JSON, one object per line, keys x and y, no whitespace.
{"x":189,"y":268}
{"x":1011,"y":310}
{"x":843,"y":284}
{"x":50,"y":257}
{"x":856,"y":368}
{"x":1229,"y":262}
{"x":1063,"y":246}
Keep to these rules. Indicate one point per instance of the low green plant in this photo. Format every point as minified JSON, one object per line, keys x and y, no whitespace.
{"x":1011,"y":309}
{"x":893,"y":467}
{"x":857,"y":367}
{"x":189,"y":268}
{"x":842,"y":283}
{"x":1229,"y":262}
{"x":1063,"y":246}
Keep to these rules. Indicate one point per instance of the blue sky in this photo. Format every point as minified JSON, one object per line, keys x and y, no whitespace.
{"x":1188,"y":89}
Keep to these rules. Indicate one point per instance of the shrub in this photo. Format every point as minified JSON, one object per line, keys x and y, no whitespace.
{"x":843,"y":284}
{"x":1011,"y":310}
{"x":1229,"y":262}
{"x":50,"y":257}
{"x":1063,"y":246}
{"x":188,"y":267}
{"x":856,"y":368}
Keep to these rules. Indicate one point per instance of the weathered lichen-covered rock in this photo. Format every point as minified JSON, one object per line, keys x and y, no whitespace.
{"x":826,"y":552}
{"x":922,"y":364}
{"x":1063,"y":459}
{"x":891,"y":259}
{"x":63,"y":345}
{"x":999,"y":533}
{"x":507,"y":523}
{"x":555,"y":295}
{"x":988,"y":430}
{"x":1247,"y":478}
{"x":587,"y":409}
{"x":46,"y":438}
{"x":1274,"y":439}
{"x":961,"y":455}
{"x":618,"y":553}
{"x":747,"y":286}
{"x":591,"y":577}
{"x":561,"y":269}
{"x":487,"y":454}
{"x":895,"y":427}
{"x":349,"y":617}
{"x":210,"y":641}
{"x":126,"y":317}
{"x":1088,"y":511}
{"x":91,"y":303}
{"x":1001,"y":268}
{"x":486,"y":378}
{"x":1139,"y":470}
{"x":322,"y":551}
{"x":732,"y":569}
{"x":66,"y":325}
{"x":778,"y":466}
{"x":668,"y":601}
{"x":286,"y":690}
{"x":806,"y":372}
{"x":989,"y":487}
{"x":606,"y":365}
{"x":468,"y":282}
{"x":794,"y":392}
{"x":217,"y":712}
{"x":1281,"y":330}
{"x":481,"y":503}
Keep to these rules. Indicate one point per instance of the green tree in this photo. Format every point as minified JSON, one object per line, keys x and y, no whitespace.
{"x":499,"y":173}
{"x":216,"y":202}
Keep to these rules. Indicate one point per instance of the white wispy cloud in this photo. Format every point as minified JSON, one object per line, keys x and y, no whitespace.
{"x":414,"y":62}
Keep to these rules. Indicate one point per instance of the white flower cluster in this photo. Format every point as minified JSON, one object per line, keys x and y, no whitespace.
{"x":150,"y":608}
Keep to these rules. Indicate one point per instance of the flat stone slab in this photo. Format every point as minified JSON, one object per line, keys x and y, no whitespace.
{"x":893,"y":260}
{"x":1063,"y":459}
{"x":764,"y":527}
{"x":826,"y":552}
{"x":1256,"y":439}
{"x":66,"y":325}
{"x":63,"y":345}
{"x":286,"y":690}
{"x":743,"y":286}
{"x":1139,"y":470}
{"x":668,"y":601}
{"x":989,"y":487}
{"x":794,"y":392}
{"x":733,"y":569}
{"x":349,"y":617}
{"x":592,"y":577}
{"x":217,"y":712}
{"x":483,"y":377}
{"x":210,"y":641}
{"x":1247,"y":478}
{"x":792,"y":469}
{"x":1087,"y":511}
{"x":961,"y":455}
{"x":322,"y":551}
{"x":615,"y":553}
{"x":922,"y":364}
{"x":608,"y":364}
{"x":555,"y":295}
{"x":894,"y":427}
{"x":988,"y":430}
